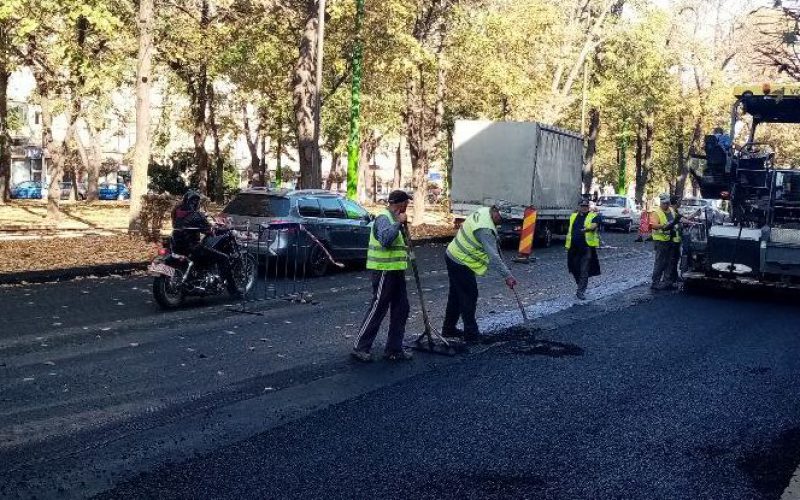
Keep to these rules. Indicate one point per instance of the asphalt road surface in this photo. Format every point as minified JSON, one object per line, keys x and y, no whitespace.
{"x":635,"y":396}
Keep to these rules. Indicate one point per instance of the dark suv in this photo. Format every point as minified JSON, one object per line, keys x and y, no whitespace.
{"x":342,"y":225}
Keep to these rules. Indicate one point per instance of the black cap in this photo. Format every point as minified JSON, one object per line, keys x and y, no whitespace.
{"x":399,"y":196}
{"x":584,"y":203}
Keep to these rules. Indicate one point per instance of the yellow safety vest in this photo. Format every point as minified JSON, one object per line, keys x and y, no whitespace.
{"x":466,"y":249}
{"x":592,"y":238}
{"x":660,"y":234}
{"x":391,"y":258}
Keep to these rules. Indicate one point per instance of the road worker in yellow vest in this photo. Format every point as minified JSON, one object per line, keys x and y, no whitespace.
{"x":387,"y":258}
{"x":582,"y":244}
{"x":666,"y":239}
{"x":472,"y":252}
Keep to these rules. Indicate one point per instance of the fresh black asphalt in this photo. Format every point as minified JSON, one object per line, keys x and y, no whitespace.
{"x":677,"y":397}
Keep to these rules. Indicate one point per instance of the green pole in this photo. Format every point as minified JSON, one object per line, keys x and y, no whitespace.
{"x":354,"y":140}
{"x":622,"y":179}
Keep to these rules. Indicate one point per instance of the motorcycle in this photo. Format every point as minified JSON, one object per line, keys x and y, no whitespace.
{"x":198,"y":274}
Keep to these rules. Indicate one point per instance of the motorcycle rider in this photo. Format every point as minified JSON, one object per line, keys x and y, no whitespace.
{"x":189,"y":224}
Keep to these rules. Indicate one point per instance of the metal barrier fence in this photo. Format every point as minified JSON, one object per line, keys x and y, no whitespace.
{"x":286,"y":251}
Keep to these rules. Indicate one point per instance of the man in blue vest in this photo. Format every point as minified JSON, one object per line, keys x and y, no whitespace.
{"x":387,"y":258}
{"x":472,"y":252}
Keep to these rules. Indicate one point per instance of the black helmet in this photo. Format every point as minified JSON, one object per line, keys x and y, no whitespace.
{"x":191,"y":200}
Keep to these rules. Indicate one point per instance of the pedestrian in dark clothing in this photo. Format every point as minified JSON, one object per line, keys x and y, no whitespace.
{"x":387,"y":257}
{"x":582,"y":243}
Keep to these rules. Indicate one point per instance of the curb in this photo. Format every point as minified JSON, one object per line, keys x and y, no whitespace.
{"x":71,"y":273}
{"x":124,"y":268}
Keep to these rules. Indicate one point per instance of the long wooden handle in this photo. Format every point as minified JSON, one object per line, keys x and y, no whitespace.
{"x":415,"y":271}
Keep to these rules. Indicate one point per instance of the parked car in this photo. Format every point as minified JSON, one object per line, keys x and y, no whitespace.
{"x":35,"y":190}
{"x":341,"y":225}
{"x":618,"y":212}
{"x":694,"y":207}
{"x":116,"y":191}
{"x":27,"y":190}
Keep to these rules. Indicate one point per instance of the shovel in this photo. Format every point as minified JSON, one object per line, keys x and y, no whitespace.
{"x":526,"y":322}
{"x":429,"y":340}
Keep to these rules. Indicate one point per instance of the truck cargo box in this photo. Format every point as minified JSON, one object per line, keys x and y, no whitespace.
{"x":516,"y":164}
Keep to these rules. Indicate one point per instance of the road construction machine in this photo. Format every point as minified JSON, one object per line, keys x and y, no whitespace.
{"x":760,"y":245}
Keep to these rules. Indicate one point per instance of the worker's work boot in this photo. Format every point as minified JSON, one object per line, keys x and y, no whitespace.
{"x":450,"y":333}
{"x":580,"y":295}
{"x":398,"y":356}
{"x":362,"y":356}
{"x":472,"y":337}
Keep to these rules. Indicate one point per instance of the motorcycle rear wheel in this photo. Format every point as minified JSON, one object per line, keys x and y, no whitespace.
{"x":167,"y":292}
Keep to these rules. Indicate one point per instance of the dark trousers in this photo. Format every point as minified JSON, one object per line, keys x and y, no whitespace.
{"x":674,"y":261}
{"x":661,"y":265}
{"x":462,"y":300}
{"x":583,"y":259}
{"x":388,"y":292}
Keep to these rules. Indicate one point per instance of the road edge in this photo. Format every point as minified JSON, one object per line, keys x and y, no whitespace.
{"x":71,"y":273}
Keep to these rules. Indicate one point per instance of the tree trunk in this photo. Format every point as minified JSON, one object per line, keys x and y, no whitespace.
{"x":683,"y":159}
{"x":279,"y":152}
{"x":91,"y":157}
{"x":141,"y":151}
{"x":252,"y":143}
{"x":363,"y":170}
{"x":637,"y":159}
{"x":304,"y":93}
{"x":414,"y":118}
{"x":334,"y":171}
{"x":644,"y":156}
{"x":591,"y":148}
{"x":397,"y":182}
{"x":55,"y":154}
{"x":647,"y":160}
{"x":199,"y":105}
{"x":262,"y":165}
{"x":5,"y":136}
{"x":219,"y":163}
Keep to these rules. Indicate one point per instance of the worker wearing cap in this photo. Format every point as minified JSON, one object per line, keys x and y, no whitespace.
{"x":582,"y":243}
{"x":663,"y":223}
{"x":387,"y":258}
{"x":472,"y":252}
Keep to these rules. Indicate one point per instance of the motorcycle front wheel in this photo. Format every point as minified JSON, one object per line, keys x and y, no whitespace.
{"x":242,"y":276}
{"x":167,"y":292}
